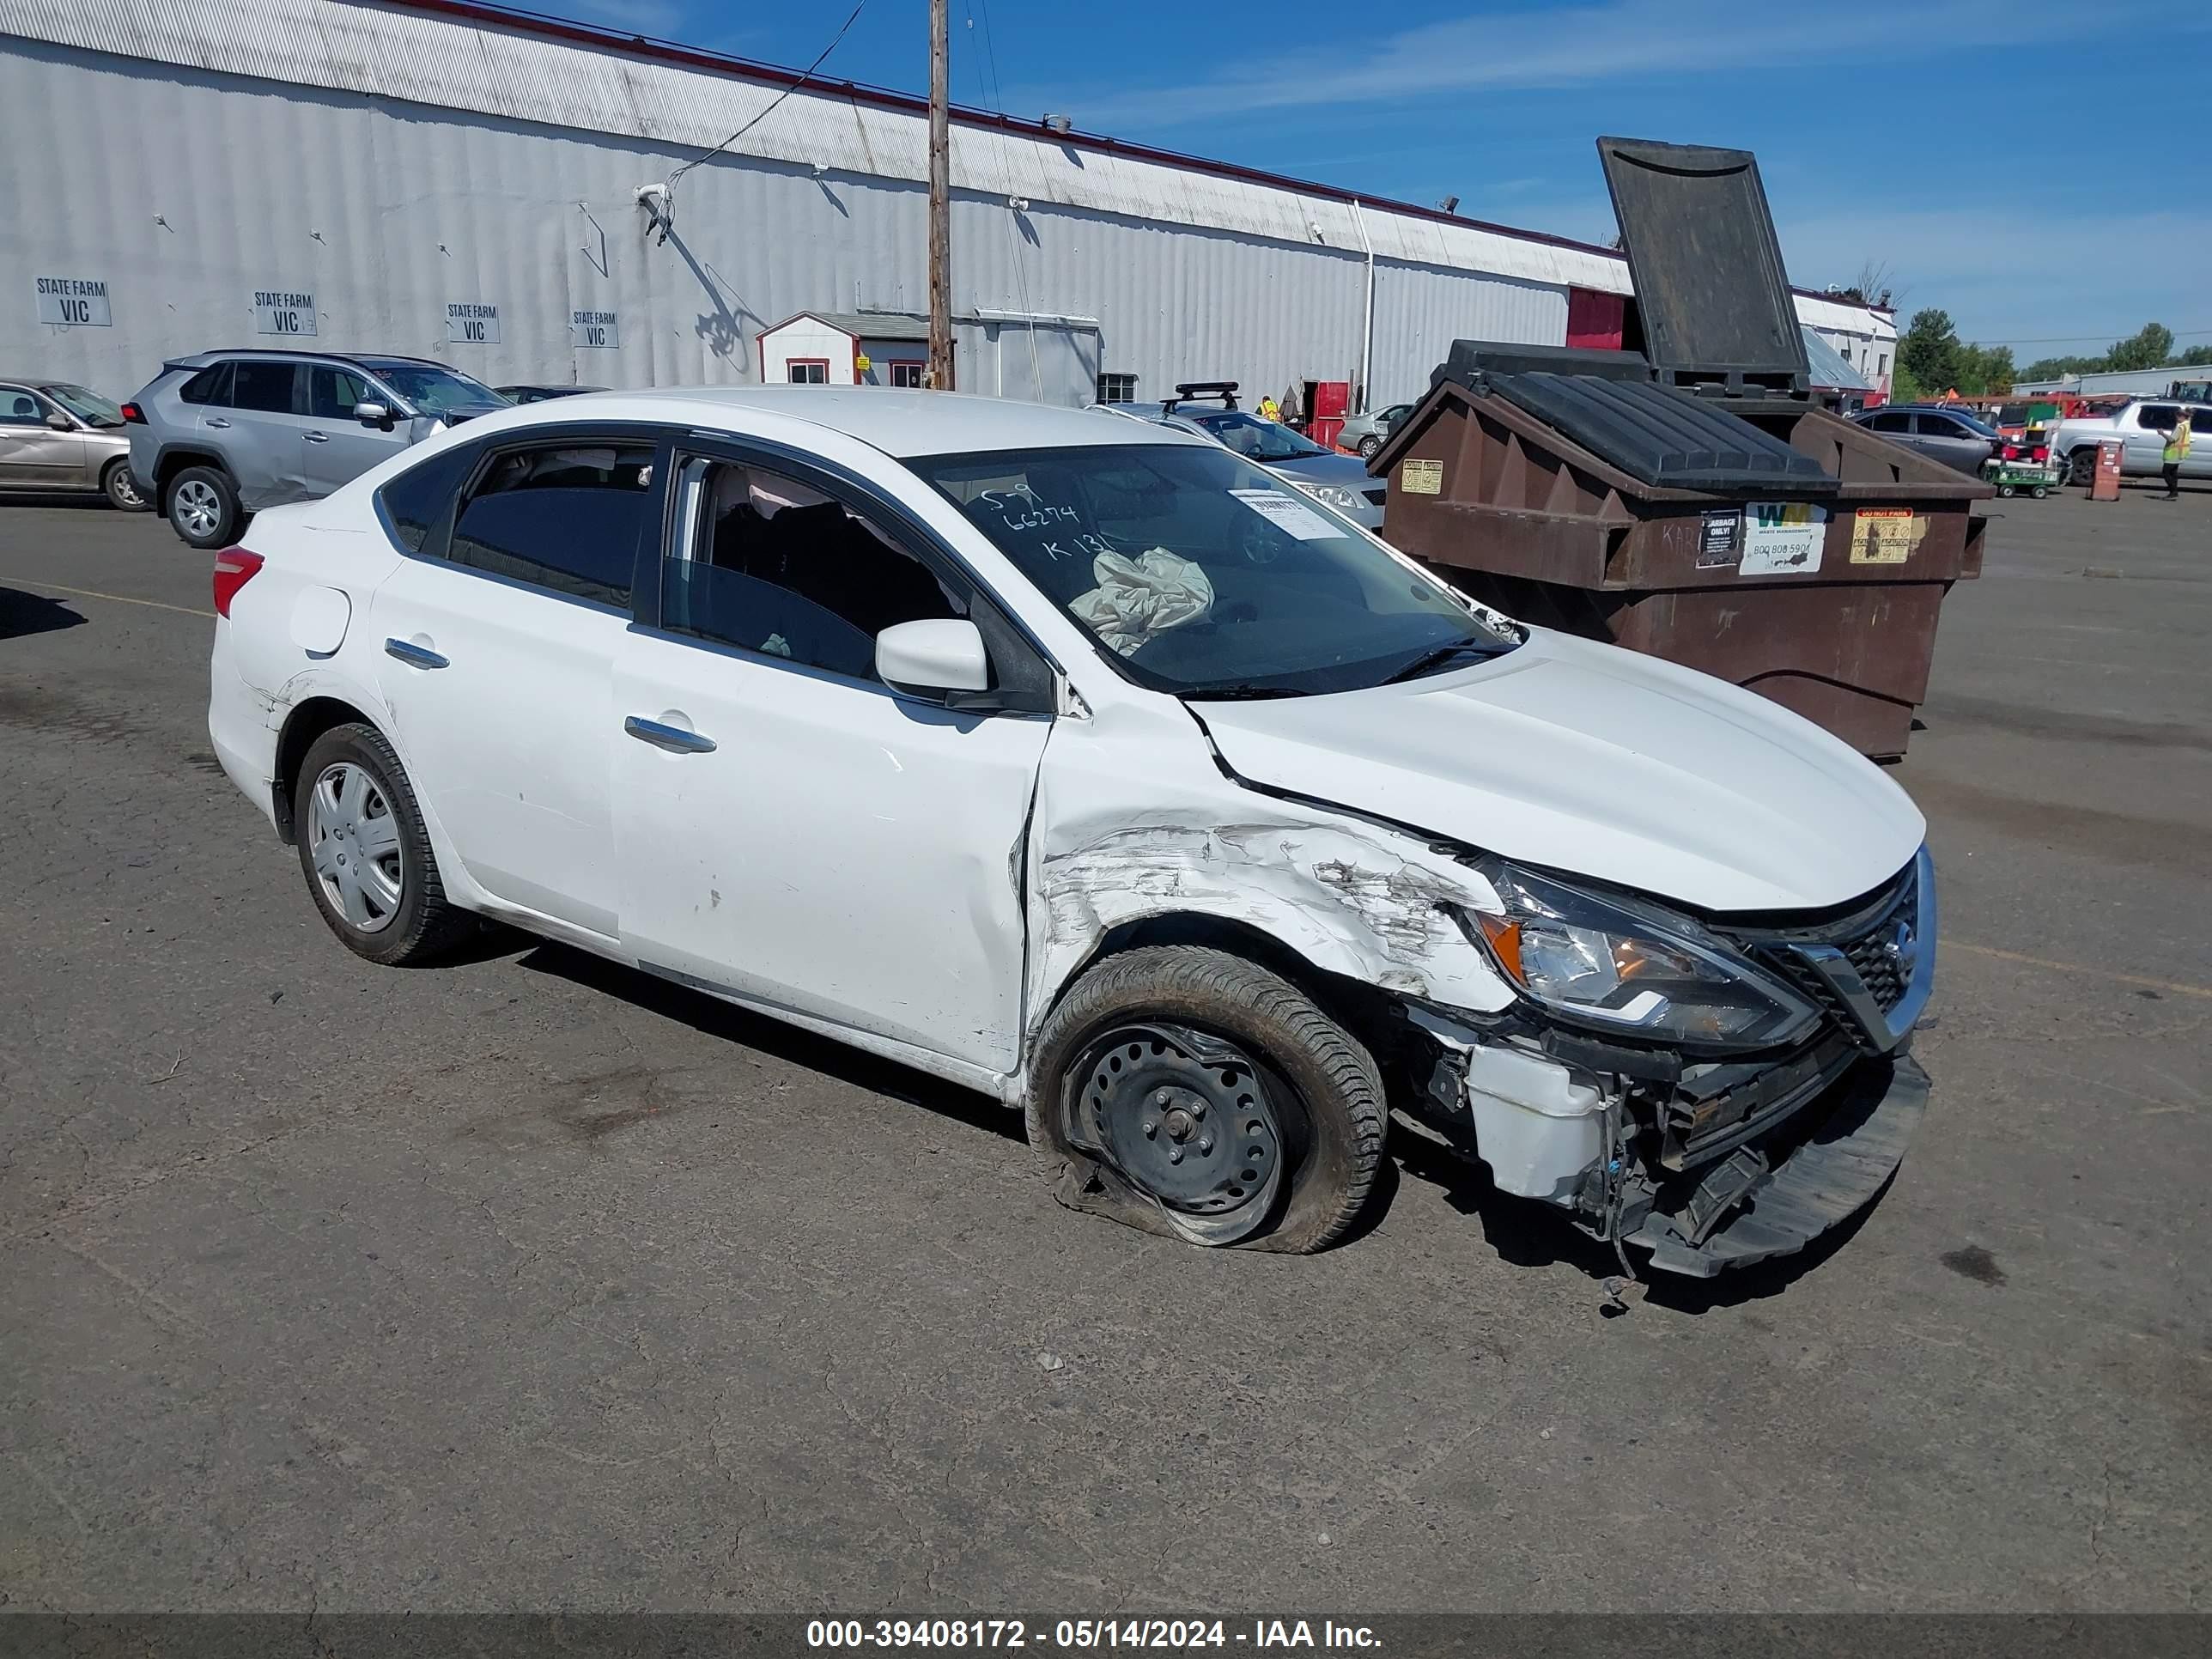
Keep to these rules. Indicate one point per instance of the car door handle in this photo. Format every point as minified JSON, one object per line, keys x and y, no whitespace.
{"x":217,"y":420}
{"x":318,"y":437}
{"x":413,"y":656}
{"x":673,"y":739}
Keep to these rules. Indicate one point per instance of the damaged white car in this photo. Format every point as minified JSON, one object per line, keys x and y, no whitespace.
{"x":1090,"y":766}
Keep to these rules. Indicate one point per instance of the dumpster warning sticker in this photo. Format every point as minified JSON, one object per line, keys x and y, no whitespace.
{"x":1782,"y":539}
{"x":1886,"y":535}
{"x":1720,"y":540}
{"x":1422,"y":477}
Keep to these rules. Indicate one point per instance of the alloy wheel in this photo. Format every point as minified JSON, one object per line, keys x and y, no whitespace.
{"x":197,"y":507}
{"x":358,"y":858}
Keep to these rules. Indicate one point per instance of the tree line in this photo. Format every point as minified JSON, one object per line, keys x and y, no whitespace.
{"x":1931,"y":358}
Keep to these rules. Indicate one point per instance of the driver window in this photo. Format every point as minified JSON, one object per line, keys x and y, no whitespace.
{"x":334,"y":392}
{"x":780,"y":568}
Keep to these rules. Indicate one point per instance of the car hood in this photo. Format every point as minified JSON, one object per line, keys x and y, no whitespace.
{"x":1323,"y":470}
{"x":1596,"y":762}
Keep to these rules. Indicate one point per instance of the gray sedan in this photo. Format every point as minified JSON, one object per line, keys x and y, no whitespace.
{"x":1367,"y":432}
{"x":1949,"y":435}
{"x":1337,"y":480}
{"x":56,"y":436}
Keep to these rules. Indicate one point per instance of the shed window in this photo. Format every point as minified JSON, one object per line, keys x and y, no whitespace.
{"x":808,"y":371}
{"x":906,"y":374}
{"x":1117,"y":388}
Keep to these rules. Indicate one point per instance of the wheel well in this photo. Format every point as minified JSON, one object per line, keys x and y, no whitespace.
{"x":1370,"y":1014}
{"x":302,"y":728}
{"x":176,"y":461}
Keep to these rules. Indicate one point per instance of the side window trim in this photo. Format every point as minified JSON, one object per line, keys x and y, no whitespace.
{"x":1031,"y":668}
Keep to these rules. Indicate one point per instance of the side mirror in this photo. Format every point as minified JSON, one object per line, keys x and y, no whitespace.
{"x":937,"y":658}
{"x":372,"y":415}
{"x":61,"y":423}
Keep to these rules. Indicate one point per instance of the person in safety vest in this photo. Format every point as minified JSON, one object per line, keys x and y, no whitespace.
{"x":2177,"y":451}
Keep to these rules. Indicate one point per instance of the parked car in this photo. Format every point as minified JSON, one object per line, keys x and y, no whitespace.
{"x":538,"y":394}
{"x":56,"y":436}
{"x":1210,"y":411}
{"x":1082,"y":762}
{"x":1952,"y":437}
{"x":217,"y":437}
{"x":1364,"y":434}
{"x":2141,"y":429}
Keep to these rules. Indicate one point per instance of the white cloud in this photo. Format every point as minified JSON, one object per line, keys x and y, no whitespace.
{"x":1600,"y":41}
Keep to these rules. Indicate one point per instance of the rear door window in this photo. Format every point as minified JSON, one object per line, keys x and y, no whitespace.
{"x":2158,"y":417}
{"x":266,"y":387}
{"x":1939,"y":426}
{"x":564,"y":517}
{"x":415,"y":503}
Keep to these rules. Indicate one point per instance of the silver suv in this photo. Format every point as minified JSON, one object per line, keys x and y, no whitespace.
{"x":2140,"y":429}
{"x":219,"y":436}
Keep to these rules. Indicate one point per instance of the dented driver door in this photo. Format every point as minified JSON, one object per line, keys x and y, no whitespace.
{"x":794,"y":832}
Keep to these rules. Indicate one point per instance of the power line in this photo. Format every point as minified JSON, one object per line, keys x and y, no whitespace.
{"x":2078,"y":339}
{"x":817,"y":62}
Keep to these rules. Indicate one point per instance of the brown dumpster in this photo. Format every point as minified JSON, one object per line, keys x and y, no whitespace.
{"x":1686,"y":497}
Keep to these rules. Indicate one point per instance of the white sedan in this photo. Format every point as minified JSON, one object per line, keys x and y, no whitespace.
{"x":1087,"y":764}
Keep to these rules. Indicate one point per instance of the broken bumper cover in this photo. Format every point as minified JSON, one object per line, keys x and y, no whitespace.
{"x":1746,"y":1209}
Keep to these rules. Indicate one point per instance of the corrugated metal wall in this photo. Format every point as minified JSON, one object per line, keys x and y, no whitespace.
{"x":193,"y":188}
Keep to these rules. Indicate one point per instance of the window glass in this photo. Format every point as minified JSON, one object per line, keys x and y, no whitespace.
{"x":564,"y":519}
{"x":263,"y":386}
{"x":2159,"y":417}
{"x":907,"y":374}
{"x":333,"y":392}
{"x":1251,"y":436}
{"x":1891,"y":423}
{"x":86,"y":405}
{"x":809,"y":374}
{"x":417,"y":499}
{"x":19,"y":408}
{"x":432,"y":390}
{"x":1939,"y":426}
{"x":1117,"y":388}
{"x":783,"y":569}
{"x":210,"y":387}
{"x":1196,"y":572}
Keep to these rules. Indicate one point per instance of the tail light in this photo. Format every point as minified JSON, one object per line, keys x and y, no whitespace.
{"x":2012,"y":451}
{"x":2040,"y":454}
{"x":133,"y":415}
{"x":234,"y":566}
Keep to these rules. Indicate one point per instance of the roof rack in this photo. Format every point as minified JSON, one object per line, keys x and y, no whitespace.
{"x":1192,"y":390}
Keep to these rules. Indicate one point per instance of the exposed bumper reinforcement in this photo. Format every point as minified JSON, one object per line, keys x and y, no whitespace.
{"x":1828,"y":1177}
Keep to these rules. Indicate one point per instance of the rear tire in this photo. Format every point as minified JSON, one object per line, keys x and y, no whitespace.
{"x":365,"y":853}
{"x":202,"y":508}
{"x":2082,"y":467}
{"x":1296,"y":1101}
{"x":121,"y":489}
{"x":1368,"y":446}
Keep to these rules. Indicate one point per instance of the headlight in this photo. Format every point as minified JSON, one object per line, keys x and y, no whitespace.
{"x":1632,"y":966}
{"x":1335,"y":496}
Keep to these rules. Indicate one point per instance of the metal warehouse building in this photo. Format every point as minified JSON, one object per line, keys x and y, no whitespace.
{"x":445,"y":179}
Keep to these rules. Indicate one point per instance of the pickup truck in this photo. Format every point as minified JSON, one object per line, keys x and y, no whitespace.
{"x":2141,"y":427}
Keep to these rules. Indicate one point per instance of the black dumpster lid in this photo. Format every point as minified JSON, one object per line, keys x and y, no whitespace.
{"x":1662,"y":437}
{"x":1710,"y":289}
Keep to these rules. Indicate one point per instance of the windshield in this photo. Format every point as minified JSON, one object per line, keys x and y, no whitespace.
{"x":88,"y":406}
{"x":1251,"y":436}
{"x":1198,"y":573}
{"x":432,"y":390}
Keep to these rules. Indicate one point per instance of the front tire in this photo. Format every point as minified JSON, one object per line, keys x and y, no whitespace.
{"x":365,"y":853}
{"x":1187,"y":1092}
{"x":121,"y":489}
{"x":203,"y":507}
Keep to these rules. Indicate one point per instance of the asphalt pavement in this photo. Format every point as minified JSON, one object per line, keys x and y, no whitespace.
{"x":529,"y":1283}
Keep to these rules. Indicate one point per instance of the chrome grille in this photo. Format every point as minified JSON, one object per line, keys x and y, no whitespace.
{"x":1862,"y":965}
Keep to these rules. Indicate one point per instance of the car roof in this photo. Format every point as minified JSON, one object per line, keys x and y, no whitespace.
{"x":896,"y":421}
{"x":205,"y":359}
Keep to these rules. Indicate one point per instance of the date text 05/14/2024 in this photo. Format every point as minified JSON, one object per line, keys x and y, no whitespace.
{"x":1085,"y":1633}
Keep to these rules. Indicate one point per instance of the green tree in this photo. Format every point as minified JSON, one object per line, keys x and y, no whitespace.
{"x":1928,"y":351}
{"x":2149,"y":348}
{"x":2051,"y":369}
{"x":2195,"y":357}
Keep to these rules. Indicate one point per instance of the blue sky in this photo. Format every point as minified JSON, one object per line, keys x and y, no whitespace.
{"x":2003,"y":160}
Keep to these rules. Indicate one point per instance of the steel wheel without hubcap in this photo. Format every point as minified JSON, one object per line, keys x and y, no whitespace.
{"x":1190,"y":1122}
{"x":196,"y":508}
{"x":356,"y":846}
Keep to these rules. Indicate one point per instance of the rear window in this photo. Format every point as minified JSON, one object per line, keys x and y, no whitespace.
{"x":566,"y":519}
{"x":414,"y":503}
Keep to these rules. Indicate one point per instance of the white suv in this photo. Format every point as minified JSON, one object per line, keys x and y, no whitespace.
{"x":2142,"y":429}
{"x":1086,"y":763}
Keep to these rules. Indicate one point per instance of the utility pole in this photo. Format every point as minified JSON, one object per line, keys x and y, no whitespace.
{"x":940,"y":193}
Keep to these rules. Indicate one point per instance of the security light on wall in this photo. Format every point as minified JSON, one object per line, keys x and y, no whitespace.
{"x":1449,"y":205}
{"x":1059,"y":122}
{"x":1019,"y":204}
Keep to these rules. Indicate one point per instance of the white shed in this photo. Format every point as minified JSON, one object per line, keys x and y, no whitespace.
{"x":846,"y":348}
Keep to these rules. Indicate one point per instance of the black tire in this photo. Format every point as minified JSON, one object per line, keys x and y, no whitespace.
{"x":422,"y":925}
{"x":2004,"y":489}
{"x":1333,"y":1146}
{"x":2040,"y":492}
{"x":121,"y":489}
{"x":2081,"y":466}
{"x":224,"y":518}
{"x":1368,"y":446}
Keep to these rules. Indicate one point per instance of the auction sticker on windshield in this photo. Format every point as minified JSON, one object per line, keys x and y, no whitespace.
{"x":1294,"y":517}
{"x":1782,"y":539}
